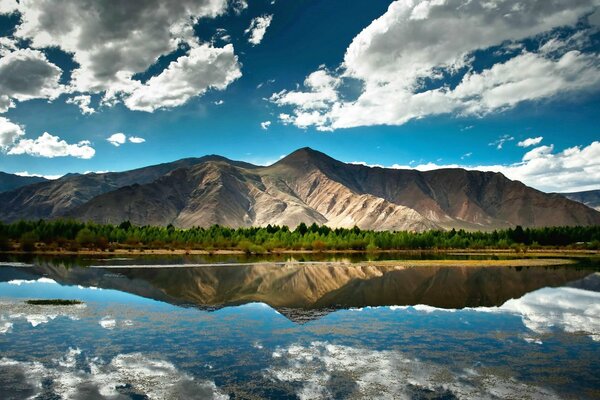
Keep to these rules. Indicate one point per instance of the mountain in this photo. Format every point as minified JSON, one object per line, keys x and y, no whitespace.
{"x":10,"y":182}
{"x":306,"y":186}
{"x":590,"y":198}
{"x":52,"y":199}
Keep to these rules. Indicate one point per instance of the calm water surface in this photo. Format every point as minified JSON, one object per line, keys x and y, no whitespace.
{"x":287,"y":330}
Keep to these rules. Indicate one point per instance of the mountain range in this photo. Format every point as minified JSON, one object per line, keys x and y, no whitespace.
{"x":306,"y":186}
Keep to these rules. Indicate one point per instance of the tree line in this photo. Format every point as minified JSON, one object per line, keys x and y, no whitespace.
{"x":74,"y":235}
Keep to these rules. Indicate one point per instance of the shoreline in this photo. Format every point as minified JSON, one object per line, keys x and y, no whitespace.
{"x":179,"y":252}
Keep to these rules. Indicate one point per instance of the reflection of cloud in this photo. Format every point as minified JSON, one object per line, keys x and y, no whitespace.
{"x":135,"y":373}
{"x":5,"y":326}
{"x":108,"y":323}
{"x":38,"y":314}
{"x":325,"y":370}
{"x":19,"y":282}
{"x":569,"y":309}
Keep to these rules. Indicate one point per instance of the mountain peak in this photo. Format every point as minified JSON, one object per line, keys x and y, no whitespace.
{"x":306,"y":155}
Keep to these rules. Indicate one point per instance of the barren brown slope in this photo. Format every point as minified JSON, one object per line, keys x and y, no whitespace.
{"x":56,"y":198}
{"x":307,"y":186}
{"x":221,"y":193}
{"x":446,"y":197}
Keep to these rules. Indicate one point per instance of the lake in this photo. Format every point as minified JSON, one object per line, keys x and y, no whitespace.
{"x":325,"y":327}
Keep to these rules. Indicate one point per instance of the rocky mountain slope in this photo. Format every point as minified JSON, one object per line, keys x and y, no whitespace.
{"x":306,"y":186}
{"x":590,"y":198}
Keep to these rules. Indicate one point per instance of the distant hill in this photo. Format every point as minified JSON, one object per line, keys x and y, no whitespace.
{"x":11,"y":181}
{"x":590,"y":198}
{"x":306,"y":186}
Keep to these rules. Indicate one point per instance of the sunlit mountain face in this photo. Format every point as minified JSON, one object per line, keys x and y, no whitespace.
{"x":506,"y":86}
{"x":289,"y":330}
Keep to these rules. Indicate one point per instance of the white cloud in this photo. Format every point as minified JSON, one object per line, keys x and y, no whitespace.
{"x":265,"y":125}
{"x":9,"y":133}
{"x":8,"y":6}
{"x":418,"y":42}
{"x":530,"y":141}
{"x":218,"y":102}
{"x":136,"y":139}
{"x":110,"y":45}
{"x":7,"y":45}
{"x":258,"y":28}
{"x":191,"y":75}
{"x":51,"y":146}
{"x":27,"y":74}
{"x":117,"y":139}
{"x":5,"y":103}
{"x":83,"y":102}
{"x":26,"y":173}
{"x":499,"y":143}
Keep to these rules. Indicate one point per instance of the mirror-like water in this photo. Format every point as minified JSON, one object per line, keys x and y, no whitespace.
{"x":315,"y":330}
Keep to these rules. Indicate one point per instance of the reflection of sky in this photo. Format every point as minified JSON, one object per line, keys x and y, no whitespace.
{"x":435,"y":352}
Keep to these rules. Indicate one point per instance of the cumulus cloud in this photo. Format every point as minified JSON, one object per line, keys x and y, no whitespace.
{"x":83,"y":102}
{"x":257,"y":29}
{"x":203,"y":68}
{"x":530,"y":141}
{"x":402,"y":59}
{"x":8,"y":6}
{"x":9,"y":133}
{"x":112,"y":43}
{"x":117,"y":139}
{"x":5,"y":103}
{"x":27,"y":74}
{"x":51,"y":146}
{"x":136,"y":139}
{"x":265,"y":125}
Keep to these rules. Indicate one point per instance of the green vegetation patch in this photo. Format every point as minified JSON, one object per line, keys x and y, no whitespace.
{"x":53,"y":302}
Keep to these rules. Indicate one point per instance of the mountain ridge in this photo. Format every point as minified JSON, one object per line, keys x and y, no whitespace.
{"x":305,"y":186}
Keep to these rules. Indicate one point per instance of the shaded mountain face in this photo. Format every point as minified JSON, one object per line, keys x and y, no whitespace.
{"x":590,"y":198}
{"x":306,"y":186}
{"x":10,"y":181}
{"x":308,"y":291}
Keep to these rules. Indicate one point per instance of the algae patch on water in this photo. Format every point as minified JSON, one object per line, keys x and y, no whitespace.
{"x":53,"y":302}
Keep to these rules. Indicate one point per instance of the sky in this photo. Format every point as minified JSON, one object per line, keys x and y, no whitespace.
{"x":500,"y":85}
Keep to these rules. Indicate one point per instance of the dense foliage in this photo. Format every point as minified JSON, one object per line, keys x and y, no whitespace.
{"x":73,"y":235}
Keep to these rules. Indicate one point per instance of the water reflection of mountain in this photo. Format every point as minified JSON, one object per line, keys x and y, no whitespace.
{"x":308,"y":291}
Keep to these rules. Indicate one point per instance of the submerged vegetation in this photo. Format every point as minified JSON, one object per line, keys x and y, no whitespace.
{"x":54,"y":302}
{"x":68,"y":235}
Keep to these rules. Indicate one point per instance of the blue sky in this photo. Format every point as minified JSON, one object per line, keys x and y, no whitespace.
{"x":392,"y":83}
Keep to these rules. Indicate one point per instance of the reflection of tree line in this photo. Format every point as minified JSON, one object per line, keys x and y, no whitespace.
{"x":322,"y":286}
{"x":73,"y":235}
